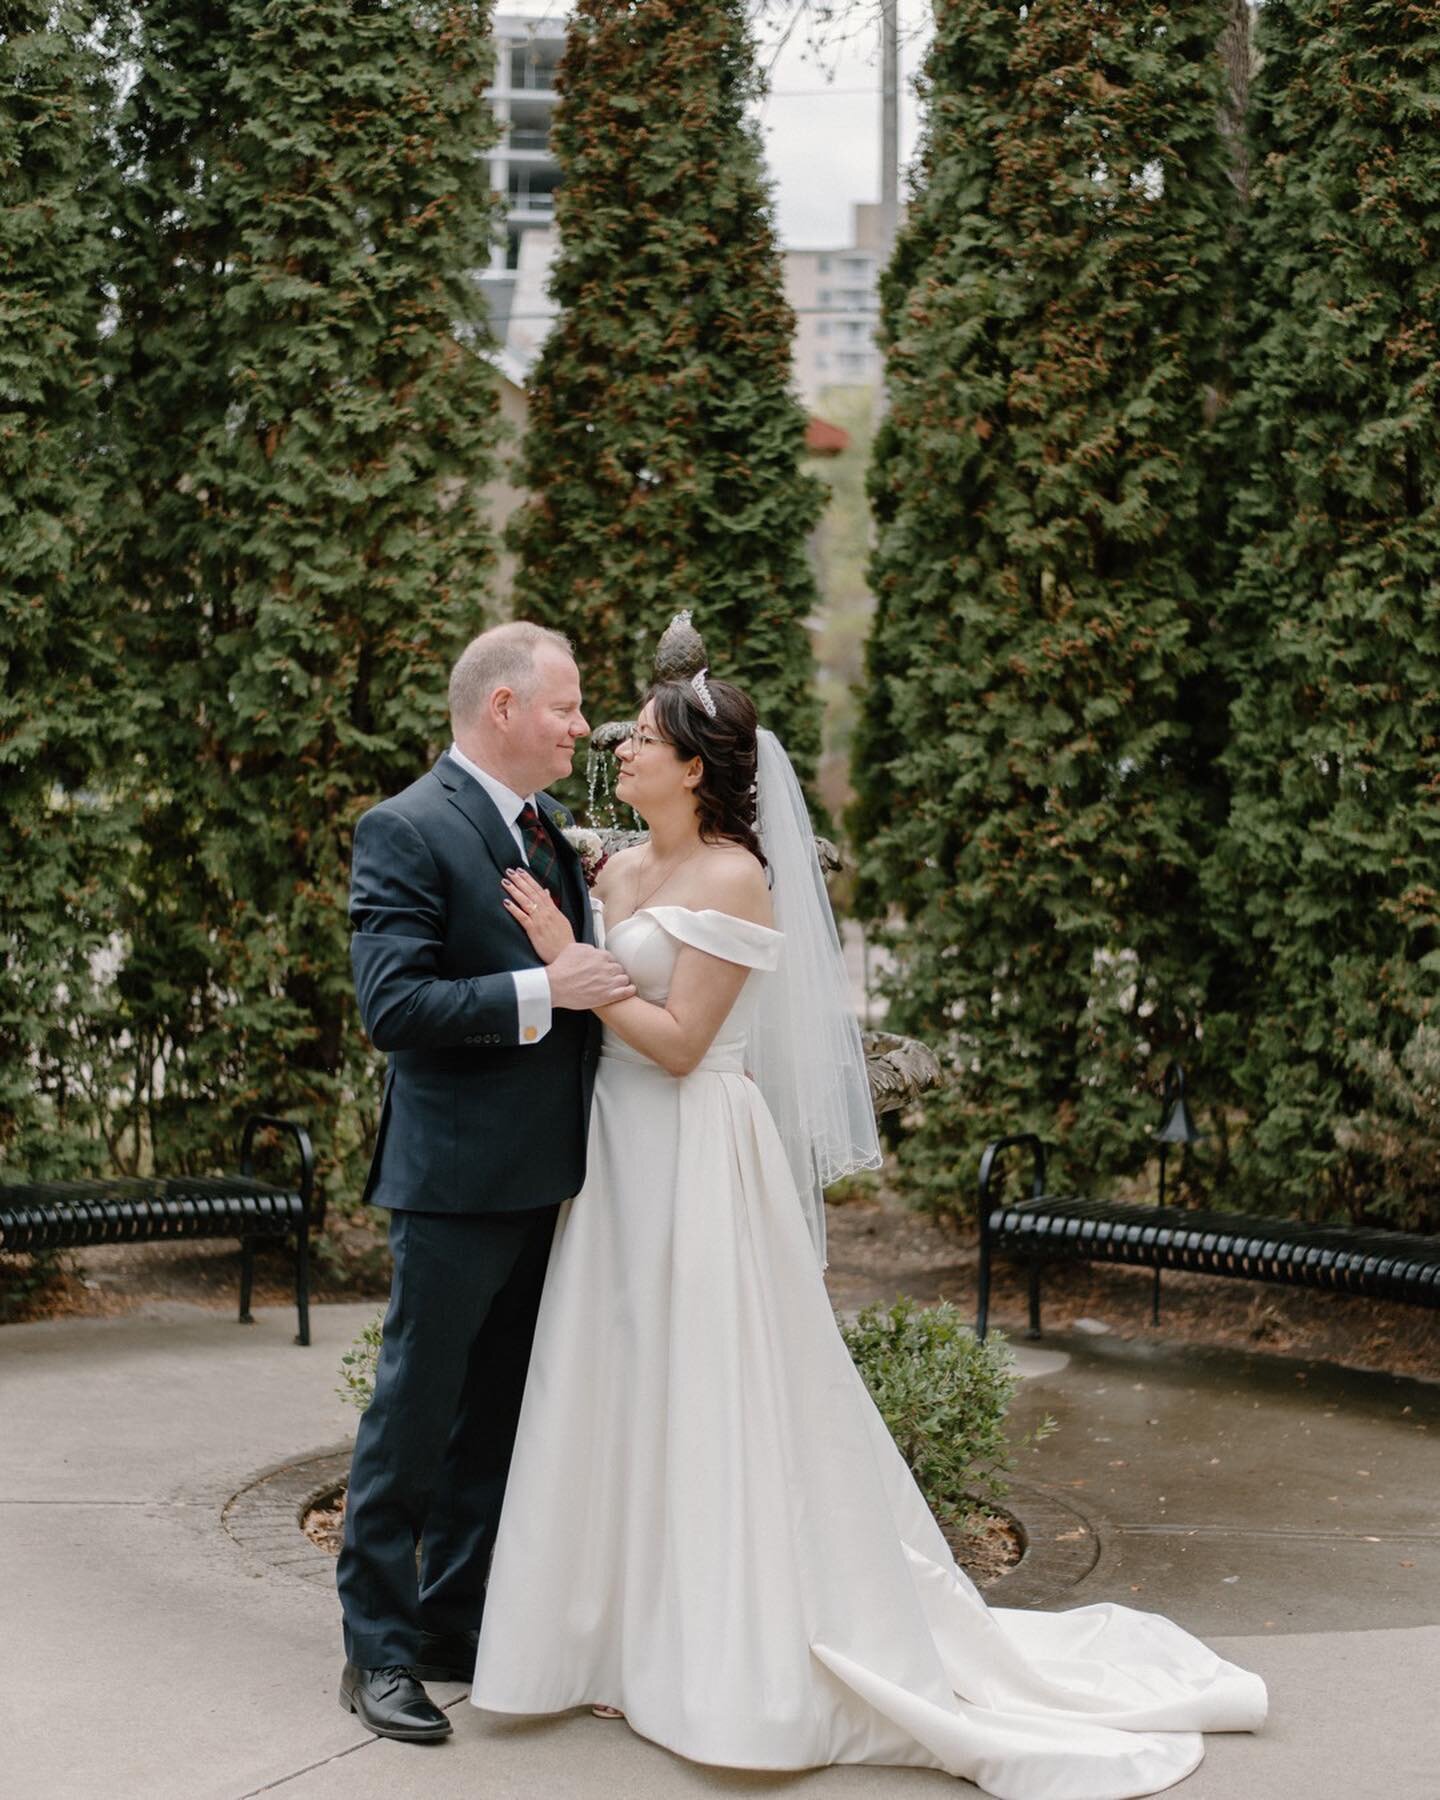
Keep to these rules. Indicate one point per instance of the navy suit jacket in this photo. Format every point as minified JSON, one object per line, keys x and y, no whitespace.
{"x":472,"y":1120}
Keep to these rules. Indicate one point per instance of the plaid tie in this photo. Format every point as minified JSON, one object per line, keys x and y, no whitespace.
{"x":539,"y":851}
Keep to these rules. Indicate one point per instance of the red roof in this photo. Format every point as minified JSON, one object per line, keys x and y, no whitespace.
{"x":824,"y":439}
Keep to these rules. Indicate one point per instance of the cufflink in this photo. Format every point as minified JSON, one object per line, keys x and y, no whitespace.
{"x":530,"y":1034}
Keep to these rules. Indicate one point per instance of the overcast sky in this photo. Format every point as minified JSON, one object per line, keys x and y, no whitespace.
{"x":821,"y":123}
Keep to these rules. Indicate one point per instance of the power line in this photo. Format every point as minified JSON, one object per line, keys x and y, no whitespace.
{"x":807,"y":93}
{"x":830,"y":312}
{"x":810,"y":93}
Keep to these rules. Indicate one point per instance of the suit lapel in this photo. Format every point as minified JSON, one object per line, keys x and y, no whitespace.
{"x":472,"y":802}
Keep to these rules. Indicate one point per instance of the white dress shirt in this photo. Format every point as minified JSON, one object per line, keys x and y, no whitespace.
{"x":532,"y":986}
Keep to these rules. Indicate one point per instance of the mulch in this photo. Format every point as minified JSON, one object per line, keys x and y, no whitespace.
{"x":350,"y":1262}
{"x":879,"y":1250}
{"x":986,"y":1546}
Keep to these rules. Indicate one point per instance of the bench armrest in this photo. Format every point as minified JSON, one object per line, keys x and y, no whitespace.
{"x":268,"y":1122}
{"x":993,"y":1152}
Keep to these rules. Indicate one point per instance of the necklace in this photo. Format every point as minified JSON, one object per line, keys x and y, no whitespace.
{"x":640,"y":898}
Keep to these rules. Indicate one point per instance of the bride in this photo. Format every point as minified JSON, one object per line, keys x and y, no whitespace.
{"x":707,"y":1527}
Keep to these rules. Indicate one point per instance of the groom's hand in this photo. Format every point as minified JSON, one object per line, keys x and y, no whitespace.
{"x":582,"y":977}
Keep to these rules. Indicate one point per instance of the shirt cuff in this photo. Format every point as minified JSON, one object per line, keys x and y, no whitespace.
{"x":532,"y":1003}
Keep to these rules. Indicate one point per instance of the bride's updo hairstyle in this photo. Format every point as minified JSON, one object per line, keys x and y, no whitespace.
{"x":726,"y":748}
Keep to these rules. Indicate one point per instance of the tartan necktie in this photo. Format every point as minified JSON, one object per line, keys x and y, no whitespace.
{"x":540,"y":851}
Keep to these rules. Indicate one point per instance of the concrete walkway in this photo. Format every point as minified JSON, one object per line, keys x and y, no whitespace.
{"x":1289,"y":1513}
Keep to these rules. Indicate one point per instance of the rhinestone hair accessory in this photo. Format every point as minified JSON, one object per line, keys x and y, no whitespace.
{"x":702,"y":691}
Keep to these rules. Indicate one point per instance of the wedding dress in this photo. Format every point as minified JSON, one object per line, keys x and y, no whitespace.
{"x":707,"y":1524}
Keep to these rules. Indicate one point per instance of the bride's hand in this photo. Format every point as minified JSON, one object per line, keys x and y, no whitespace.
{"x":547,"y":928}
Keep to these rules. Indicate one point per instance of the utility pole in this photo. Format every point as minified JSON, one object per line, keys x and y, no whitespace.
{"x":889,"y":128}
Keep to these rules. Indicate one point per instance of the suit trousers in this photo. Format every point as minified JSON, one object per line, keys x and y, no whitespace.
{"x":433,"y":1449}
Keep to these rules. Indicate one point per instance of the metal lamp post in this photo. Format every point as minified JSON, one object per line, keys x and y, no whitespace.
{"x":1177,"y":1128}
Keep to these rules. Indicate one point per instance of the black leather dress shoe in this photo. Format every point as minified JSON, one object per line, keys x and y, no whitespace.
{"x":392,"y":1704}
{"x":446,"y":1658}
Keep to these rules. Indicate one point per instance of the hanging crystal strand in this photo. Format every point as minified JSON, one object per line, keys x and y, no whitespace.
{"x":592,"y":777}
{"x":607,"y":776}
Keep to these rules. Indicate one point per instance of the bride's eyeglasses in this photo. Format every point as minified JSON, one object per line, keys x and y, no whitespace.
{"x":636,"y":739}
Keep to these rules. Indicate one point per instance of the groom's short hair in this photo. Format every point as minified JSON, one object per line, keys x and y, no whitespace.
{"x":504,"y":656}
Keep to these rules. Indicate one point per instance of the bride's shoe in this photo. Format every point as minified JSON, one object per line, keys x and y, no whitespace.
{"x":607,"y":1712}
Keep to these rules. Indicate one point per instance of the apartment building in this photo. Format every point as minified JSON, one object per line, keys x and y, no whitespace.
{"x":522,"y":170}
{"x":834,"y":291}
{"x":835,"y":294}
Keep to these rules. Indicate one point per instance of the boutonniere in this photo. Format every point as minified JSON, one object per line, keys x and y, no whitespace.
{"x":565,"y":820}
{"x":589,"y":846}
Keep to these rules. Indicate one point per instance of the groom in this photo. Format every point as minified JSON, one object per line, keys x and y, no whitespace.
{"x":482,"y":1134}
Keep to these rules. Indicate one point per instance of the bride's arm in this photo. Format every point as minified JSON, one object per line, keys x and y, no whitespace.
{"x":677,"y":1034}
{"x":703,"y":988}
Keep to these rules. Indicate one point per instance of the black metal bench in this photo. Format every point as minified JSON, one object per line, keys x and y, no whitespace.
{"x":1385,"y":1265}
{"x":65,"y":1215}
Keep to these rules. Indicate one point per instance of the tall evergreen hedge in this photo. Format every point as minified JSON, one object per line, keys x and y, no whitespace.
{"x":1327,"y":874}
{"x":306,"y":417}
{"x":1035,"y":769}
{"x":61,"y":721}
{"x":663,"y":446}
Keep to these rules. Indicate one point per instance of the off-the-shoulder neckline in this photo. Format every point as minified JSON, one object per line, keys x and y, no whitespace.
{"x":695,"y":912}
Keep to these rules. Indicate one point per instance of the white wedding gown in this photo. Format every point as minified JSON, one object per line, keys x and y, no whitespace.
{"x":707,"y":1524}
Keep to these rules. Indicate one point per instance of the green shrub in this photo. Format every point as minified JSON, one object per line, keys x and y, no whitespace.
{"x":1398,"y":1135}
{"x":357,"y":1365}
{"x":943,"y":1395}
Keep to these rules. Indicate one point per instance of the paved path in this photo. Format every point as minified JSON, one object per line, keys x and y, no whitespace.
{"x":1287,"y":1512}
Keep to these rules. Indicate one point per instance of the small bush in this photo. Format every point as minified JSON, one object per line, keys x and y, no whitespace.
{"x":357,"y":1365}
{"x":943,"y":1396}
